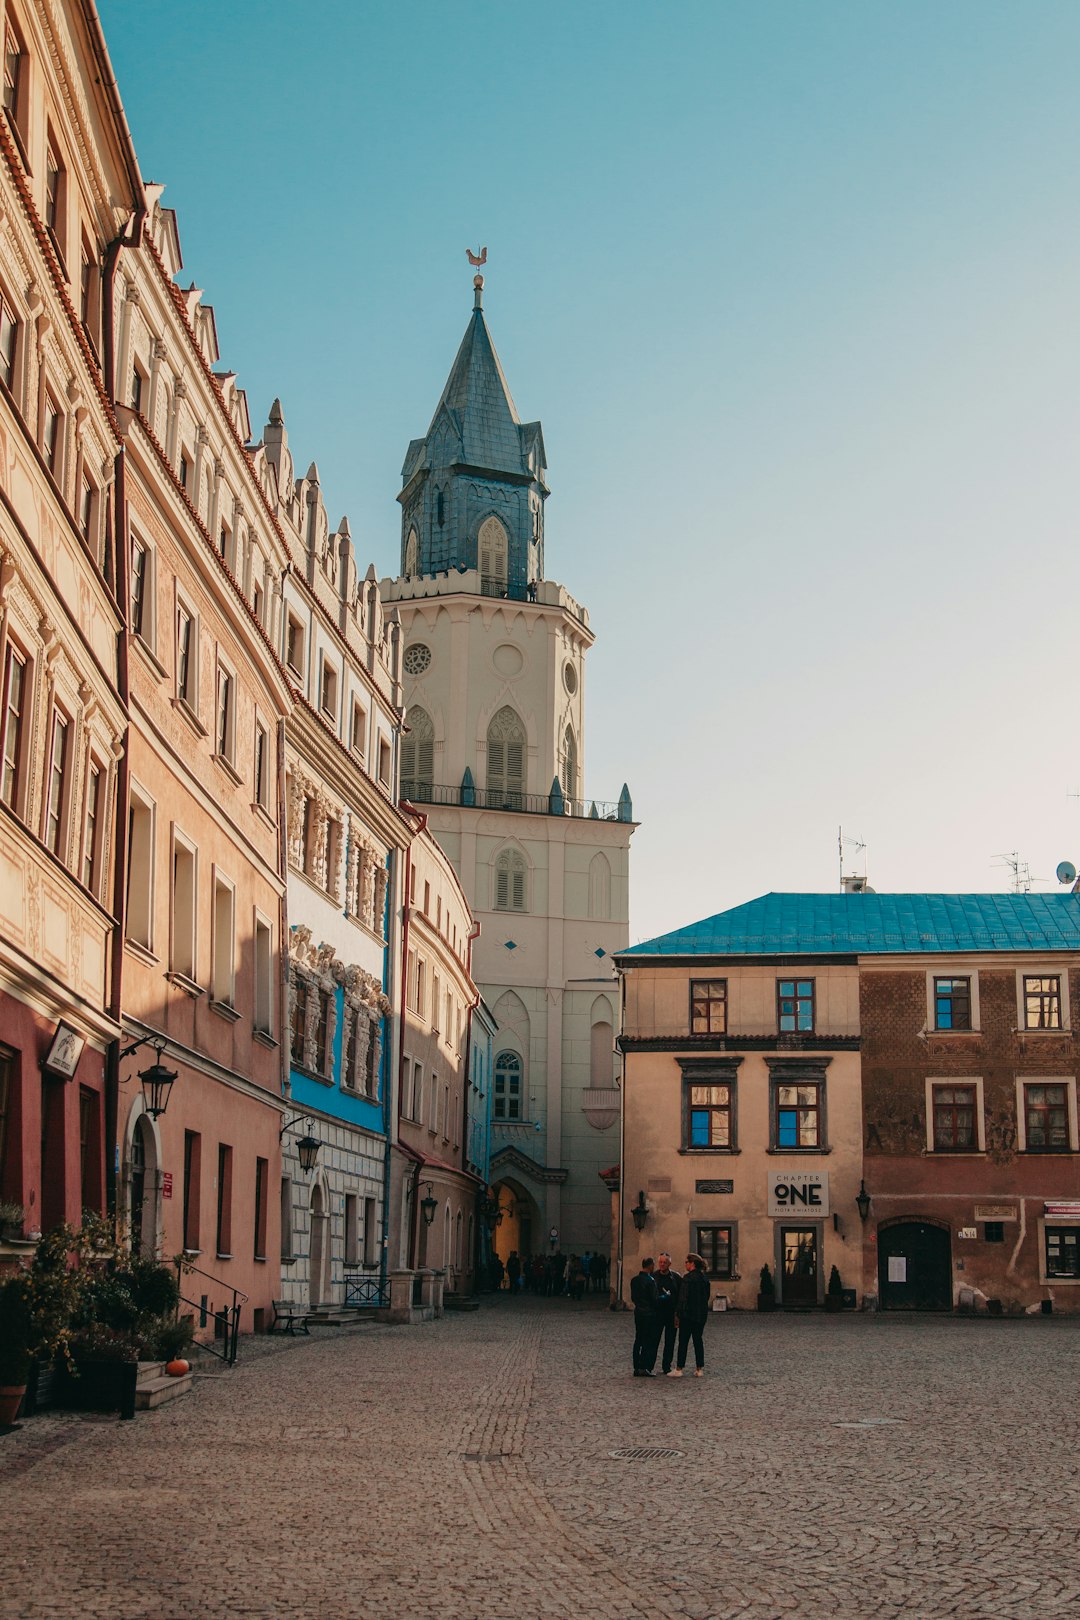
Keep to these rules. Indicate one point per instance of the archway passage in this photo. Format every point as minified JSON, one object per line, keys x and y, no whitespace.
{"x":914,"y":1267}
{"x":520,"y":1229}
{"x":143,"y":1189}
{"x":319,"y":1264}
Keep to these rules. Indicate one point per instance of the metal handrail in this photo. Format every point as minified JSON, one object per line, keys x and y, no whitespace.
{"x":365,"y":1288}
{"x":529,"y":804}
{"x":237,"y":1293}
{"x":227,"y":1319}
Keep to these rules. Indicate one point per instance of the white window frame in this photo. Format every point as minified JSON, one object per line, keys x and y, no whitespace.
{"x":225,"y":747}
{"x":261,"y":790}
{"x":263,"y":998}
{"x":327,"y":667}
{"x":1041,"y":971}
{"x":180,"y":840}
{"x":222,"y":973}
{"x":1044,"y":1278}
{"x":93,"y":843}
{"x":975,"y":1080}
{"x":1066,"y":1080}
{"x":141,"y":799}
{"x":292,"y":617}
{"x":147,"y":631}
{"x":358,"y":710}
{"x":189,"y":700}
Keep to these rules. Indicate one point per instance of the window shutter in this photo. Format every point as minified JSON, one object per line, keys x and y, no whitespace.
{"x":502,"y":889}
{"x":496,"y":762}
{"x":514,"y":762}
{"x":426,"y":759}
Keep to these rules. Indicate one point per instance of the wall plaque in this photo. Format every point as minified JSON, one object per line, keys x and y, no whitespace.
{"x":995,"y":1212}
{"x":714,"y":1186}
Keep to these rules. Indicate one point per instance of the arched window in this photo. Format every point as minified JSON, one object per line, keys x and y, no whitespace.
{"x":440,"y":509}
{"x":412,"y":554}
{"x":418,"y":755}
{"x":510,"y":874}
{"x":505,"y":761}
{"x":601,"y":1056}
{"x":507,"y":1097}
{"x":569,"y":764}
{"x":491,"y":545}
{"x":599,"y":887}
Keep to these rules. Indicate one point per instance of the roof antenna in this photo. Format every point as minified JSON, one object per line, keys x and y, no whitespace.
{"x":854,"y":883}
{"x":1021,"y":871}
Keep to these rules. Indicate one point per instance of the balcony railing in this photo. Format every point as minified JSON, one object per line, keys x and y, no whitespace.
{"x":529,"y":804}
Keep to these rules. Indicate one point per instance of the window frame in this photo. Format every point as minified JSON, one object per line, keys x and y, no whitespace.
{"x":795,"y":981}
{"x":16,"y":106}
{"x":708,"y":1002}
{"x":141,"y":603}
{"x":58,"y":778}
{"x":701,"y":1073}
{"x":1068,"y":1083}
{"x":260,"y":764}
{"x":52,"y":437}
{"x":1050,"y":1224}
{"x":15,"y":654}
{"x":187,"y":968}
{"x":55,"y":200}
{"x":698,"y":1245}
{"x":933,"y":1083}
{"x":141,"y":803}
{"x":512,"y":864}
{"x":93,"y":837}
{"x":779,"y":1083}
{"x":11,"y":331}
{"x":187,"y":691}
{"x":222,"y":952}
{"x":225,"y":723}
{"x":962,"y":971}
{"x":1024,"y":977}
{"x":514,"y":1069}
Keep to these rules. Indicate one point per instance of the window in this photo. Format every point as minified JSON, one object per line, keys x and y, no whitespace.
{"x":510,"y":873}
{"x":507,"y":1092}
{"x":952,"y":1003}
{"x":436,"y":991}
{"x":14,"y":80}
{"x":371,"y":1234}
{"x":55,"y":794}
{"x":795,"y":1004}
{"x":89,"y":290}
{"x":87,"y":505}
{"x":491,"y":547}
{"x":9,"y":339}
{"x":993,"y":1231}
{"x":569,"y":764}
{"x":50,"y":435}
{"x":714,"y":1244}
{"x":351,"y":1230}
{"x":139,"y":570}
{"x":55,"y":193}
{"x":294,"y":644}
{"x":505,"y":761}
{"x":16,"y":696}
{"x":140,"y":869}
{"x":93,"y":825}
{"x":418,"y":755}
{"x":223,"y":954}
{"x":1063,"y":1251}
{"x":262,"y":1177}
{"x":262,"y":766}
{"x":285,"y":1197}
{"x":223,"y":543}
{"x":1042,"y":1002}
{"x":182,"y":951}
{"x":257,"y":600}
{"x":358,"y":736}
{"x":384,"y":762}
{"x":192,"y":1188}
{"x":185,"y":469}
{"x":421,"y":997}
{"x":954,"y":1118}
{"x":264,"y":976}
{"x":225,"y":729}
{"x":328,"y":691}
{"x":1046,"y":1119}
{"x":418,"y":1094}
{"x":187,"y":657}
{"x":224,"y":1202}
{"x":136,"y":389}
{"x":709,"y":1115}
{"x":708,"y":1006}
{"x":797,"y":1115}
{"x":411,"y":554}
{"x":323,"y":1054}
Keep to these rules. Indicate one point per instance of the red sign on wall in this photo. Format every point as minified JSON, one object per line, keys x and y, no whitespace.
{"x":166,"y":1184}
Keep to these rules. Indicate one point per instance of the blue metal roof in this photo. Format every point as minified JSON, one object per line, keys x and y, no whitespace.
{"x":878,"y":925}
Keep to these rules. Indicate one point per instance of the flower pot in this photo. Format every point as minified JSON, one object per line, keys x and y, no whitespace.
{"x":178,"y":1367}
{"x":11,"y":1398}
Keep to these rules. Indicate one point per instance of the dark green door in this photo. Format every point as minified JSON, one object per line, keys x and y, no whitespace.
{"x":914,"y":1268}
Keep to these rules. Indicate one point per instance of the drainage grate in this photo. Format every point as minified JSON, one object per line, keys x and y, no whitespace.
{"x":643,"y":1453}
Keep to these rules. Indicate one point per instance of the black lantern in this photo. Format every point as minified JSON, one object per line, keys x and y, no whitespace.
{"x":308,"y":1152}
{"x":491,"y":1211}
{"x":157,"y":1084}
{"x":862,"y":1201}
{"x":428,"y":1205}
{"x":640,"y":1212}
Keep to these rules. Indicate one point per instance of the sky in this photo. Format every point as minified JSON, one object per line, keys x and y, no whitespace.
{"x":793,"y":290}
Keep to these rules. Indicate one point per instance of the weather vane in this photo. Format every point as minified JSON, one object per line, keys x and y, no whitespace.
{"x":476,"y":260}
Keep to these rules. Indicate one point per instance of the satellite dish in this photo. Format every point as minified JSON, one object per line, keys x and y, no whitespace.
{"x":1066,"y":872}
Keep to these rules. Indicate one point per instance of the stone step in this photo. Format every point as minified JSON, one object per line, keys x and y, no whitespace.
{"x":157,"y":1391}
{"x":149,"y":1370}
{"x":331,"y":1318}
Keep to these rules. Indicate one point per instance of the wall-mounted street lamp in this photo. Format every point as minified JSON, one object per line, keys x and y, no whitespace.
{"x":492,"y":1211}
{"x":862,"y":1201}
{"x":157,"y":1080}
{"x":428,"y":1205}
{"x":640,"y":1212}
{"x":307,"y":1147}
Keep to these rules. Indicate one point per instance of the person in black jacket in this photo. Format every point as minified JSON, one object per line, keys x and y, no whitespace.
{"x":693,"y":1309}
{"x":646,"y":1298}
{"x":667,"y":1284}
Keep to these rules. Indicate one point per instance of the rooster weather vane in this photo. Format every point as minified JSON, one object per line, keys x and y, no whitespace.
{"x":476,"y":260}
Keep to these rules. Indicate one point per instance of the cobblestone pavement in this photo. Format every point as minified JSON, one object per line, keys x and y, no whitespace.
{"x":851,"y":1466}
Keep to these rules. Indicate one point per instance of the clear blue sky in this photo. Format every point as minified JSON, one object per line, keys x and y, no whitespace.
{"x":793,"y":289}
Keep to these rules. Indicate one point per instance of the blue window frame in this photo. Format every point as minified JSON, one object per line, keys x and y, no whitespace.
{"x":795,"y":1003}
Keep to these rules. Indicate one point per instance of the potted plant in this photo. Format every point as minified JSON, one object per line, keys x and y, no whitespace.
{"x":834,"y":1294}
{"x":766,"y":1300}
{"x":16,"y":1337}
{"x":11,"y":1221}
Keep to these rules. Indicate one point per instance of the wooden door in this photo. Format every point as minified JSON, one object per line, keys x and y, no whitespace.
{"x":799,"y":1281}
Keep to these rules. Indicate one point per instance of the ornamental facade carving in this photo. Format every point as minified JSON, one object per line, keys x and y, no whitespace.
{"x":314,"y":974}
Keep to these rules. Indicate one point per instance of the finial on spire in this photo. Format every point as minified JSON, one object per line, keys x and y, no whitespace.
{"x":476,"y":260}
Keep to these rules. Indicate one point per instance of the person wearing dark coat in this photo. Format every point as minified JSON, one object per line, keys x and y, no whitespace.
{"x":667,"y":1284}
{"x":693,"y":1312}
{"x":646,"y":1298}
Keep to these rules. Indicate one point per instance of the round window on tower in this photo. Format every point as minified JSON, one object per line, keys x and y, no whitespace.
{"x":417,"y":658}
{"x":569,"y":678}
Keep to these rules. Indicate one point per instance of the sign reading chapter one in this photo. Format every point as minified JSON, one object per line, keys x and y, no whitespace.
{"x":799,"y":1192}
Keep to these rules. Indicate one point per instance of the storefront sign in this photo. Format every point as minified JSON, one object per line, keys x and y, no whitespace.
{"x":799,"y":1192}
{"x":166,"y":1184}
{"x":1067,"y":1211}
{"x":995,"y":1212}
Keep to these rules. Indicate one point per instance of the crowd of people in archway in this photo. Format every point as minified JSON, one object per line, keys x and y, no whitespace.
{"x":551,"y":1275}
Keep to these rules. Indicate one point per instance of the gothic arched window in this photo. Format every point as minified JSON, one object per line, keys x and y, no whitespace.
{"x":418,"y":755}
{"x":507,"y":1095}
{"x":569,"y":764}
{"x":440,"y":509}
{"x":511,"y":872}
{"x":505,"y":761}
{"x":412,"y":554}
{"x":599,"y":887}
{"x":492,"y":547}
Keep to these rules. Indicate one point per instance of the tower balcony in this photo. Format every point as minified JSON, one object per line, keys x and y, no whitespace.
{"x":554,"y":803}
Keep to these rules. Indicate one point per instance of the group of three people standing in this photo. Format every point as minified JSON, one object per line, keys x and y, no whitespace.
{"x":663,"y":1299}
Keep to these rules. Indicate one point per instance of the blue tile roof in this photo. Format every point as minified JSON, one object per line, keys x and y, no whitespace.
{"x":877,"y":924}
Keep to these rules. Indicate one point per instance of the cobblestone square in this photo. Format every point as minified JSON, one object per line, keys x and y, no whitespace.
{"x":824,"y":1466}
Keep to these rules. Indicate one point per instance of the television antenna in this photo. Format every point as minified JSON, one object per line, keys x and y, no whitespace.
{"x":857,"y":845}
{"x":1021,"y":871}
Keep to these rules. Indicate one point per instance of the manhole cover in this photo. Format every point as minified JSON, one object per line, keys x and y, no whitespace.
{"x":643,"y":1453}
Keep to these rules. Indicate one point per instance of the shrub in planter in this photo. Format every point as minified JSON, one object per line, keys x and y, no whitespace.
{"x":16,"y":1336}
{"x":12,"y":1217}
{"x":834,"y":1294}
{"x":766,"y":1300}
{"x":170,"y":1340}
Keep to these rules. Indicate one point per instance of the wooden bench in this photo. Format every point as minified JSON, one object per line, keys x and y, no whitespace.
{"x":289,"y":1315}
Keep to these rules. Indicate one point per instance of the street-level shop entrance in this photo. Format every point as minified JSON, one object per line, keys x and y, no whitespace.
{"x":799,"y":1265}
{"x":914,"y":1267}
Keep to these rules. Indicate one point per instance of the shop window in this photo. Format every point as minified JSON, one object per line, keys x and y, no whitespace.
{"x":1063,"y":1252}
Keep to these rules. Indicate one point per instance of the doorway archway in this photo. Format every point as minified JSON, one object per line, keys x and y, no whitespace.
{"x":914,"y":1267}
{"x":143,"y":1190}
{"x":319,"y":1262}
{"x":521,"y":1226}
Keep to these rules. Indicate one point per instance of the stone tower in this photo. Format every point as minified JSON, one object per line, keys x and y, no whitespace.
{"x":494,"y":673}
